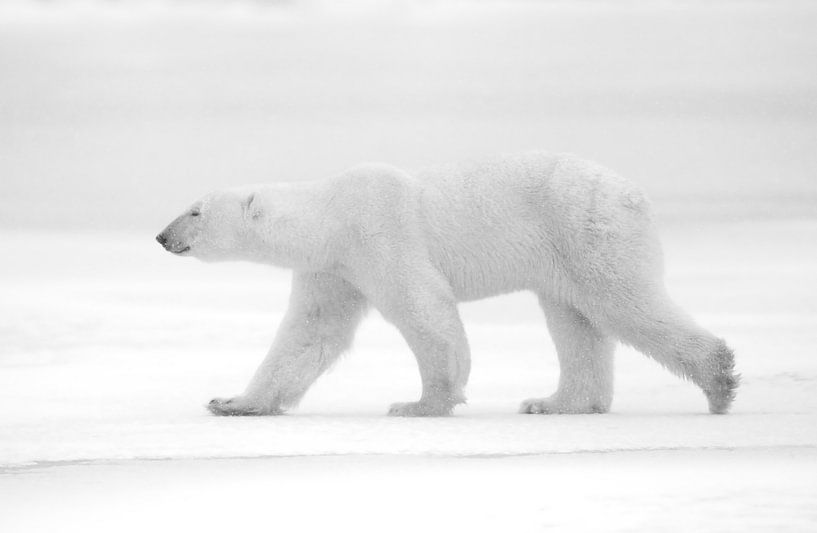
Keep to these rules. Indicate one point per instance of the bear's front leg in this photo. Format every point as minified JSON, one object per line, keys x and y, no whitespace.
{"x":426,"y":314}
{"x":323,"y":313}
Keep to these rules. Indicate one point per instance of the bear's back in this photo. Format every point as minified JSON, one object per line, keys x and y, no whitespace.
{"x":501,"y":224}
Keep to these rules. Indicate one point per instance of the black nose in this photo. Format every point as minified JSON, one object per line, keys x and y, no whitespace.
{"x":161,"y":238}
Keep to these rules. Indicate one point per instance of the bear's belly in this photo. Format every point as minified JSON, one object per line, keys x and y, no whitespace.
{"x":464,"y":292}
{"x":475,"y":278}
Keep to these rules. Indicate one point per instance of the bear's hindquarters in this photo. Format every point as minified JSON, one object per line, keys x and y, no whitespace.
{"x":660,"y":329}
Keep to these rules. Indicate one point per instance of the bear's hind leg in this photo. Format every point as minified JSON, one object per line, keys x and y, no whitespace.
{"x":661,"y":330}
{"x":586,"y":365}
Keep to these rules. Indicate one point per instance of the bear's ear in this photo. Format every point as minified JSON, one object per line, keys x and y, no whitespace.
{"x":248,"y":208}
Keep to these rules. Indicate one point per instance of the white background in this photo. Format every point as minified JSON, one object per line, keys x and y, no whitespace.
{"x":116,"y":116}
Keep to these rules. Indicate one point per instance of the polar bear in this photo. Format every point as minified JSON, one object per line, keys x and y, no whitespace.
{"x":413,"y":246}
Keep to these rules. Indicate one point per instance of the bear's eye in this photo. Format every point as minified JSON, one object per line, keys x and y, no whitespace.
{"x":195,"y":213}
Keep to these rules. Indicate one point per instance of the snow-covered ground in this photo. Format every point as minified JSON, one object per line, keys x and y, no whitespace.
{"x":678,"y":491}
{"x":113,"y":118}
{"x":108,"y":360}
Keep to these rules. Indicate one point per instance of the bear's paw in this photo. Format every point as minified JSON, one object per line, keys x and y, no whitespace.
{"x":551,"y":406}
{"x":238,"y":406}
{"x":421,"y":408}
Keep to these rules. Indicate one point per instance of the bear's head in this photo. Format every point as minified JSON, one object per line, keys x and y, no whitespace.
{"x":217,"y":227}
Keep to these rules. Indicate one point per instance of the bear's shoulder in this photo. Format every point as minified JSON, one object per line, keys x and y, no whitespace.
{"x":367,"y":180}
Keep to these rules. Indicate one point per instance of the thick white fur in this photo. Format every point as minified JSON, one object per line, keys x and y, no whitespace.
{"x":573,"y":232}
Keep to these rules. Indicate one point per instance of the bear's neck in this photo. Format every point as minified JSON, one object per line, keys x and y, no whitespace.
{"x":296,"y":234}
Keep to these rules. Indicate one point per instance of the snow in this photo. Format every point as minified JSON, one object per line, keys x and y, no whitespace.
{"x":643,"y":491}
{"x":114,"y":118}
{"x":107,"y":363}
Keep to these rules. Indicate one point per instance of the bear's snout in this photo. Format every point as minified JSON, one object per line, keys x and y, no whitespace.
{"x":175,"y":246}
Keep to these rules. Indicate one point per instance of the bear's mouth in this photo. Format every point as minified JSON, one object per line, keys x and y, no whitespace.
{"x":185,"y":249}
